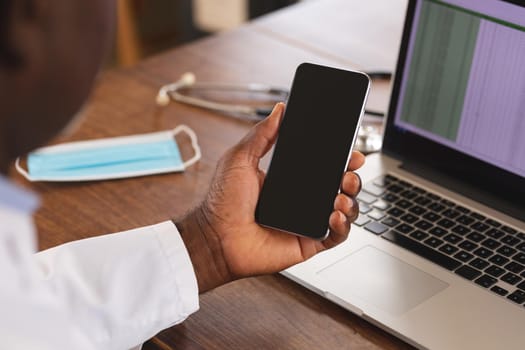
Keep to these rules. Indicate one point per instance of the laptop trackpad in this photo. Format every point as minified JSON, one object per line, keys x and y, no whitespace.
{"x":381,"y":280}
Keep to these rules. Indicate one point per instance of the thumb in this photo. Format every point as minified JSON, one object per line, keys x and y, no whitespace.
{"x":263,"y":135}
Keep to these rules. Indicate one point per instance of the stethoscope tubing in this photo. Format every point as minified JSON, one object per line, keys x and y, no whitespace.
{"x":187,"y":82}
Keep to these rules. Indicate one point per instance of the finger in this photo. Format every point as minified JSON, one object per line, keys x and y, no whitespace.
{"x":347,"y":205}
{"x":351,"y":184}
{"x":356,"y":160}
{"x":339,"y":229}
{"x":263,"y":135}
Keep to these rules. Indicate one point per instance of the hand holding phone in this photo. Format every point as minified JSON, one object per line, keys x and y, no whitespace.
{"x":313,"y":149}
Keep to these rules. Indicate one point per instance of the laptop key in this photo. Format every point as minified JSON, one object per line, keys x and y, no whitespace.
{"x":405,"y":184}
{"x":499,"y":290}
{"x":446,"y":223}
{"x":518,"y":296}
{"x":460,"y":230}
{"x":463,"y":256}
{"x":495,"y":233}
{"x":422,"y":200}
{"x":433,"y":196}
{"x":390,"y":198}
{"x":509,"y":230}
{"x":479,"y":264}
{"x":376,"y":215}
{"x":486,"y":281}
{"x":468,"y":272}
{"x":395,"y":188}
{"x":419,"y":235}
{"x":479,"y":226}
{"x":438,"y":231}
{"x":409,"y":218}
{"x":493,"y":223}
{"x":462,"y":209}
{"x":490,"y":243}
{"x":521,"y":247}
{"x":434,"y":242}
{"x":483,"y":252}
{"x":521,"y":285}
{"x":452,"y":238}
{"x":514,"y":267}
{"x":468,"y":245}
{"x":520,"y":257}
{"x":422,"y":250}
{"x":364,"y":208}
{"x":465,"y":220}
{"x":362,"y":220}
{"x":476,"y":237}
{"x":433,"y":217}
{"x":423,"y":224}
{"x":395,"y":212}
{"x":381,"y":205}
{"x":390,"y":221}
{"x":373,"y":189}
{"x":436,"y":207}
{"x":417,"y":210}
{"x":409,"y":194}
{"x":506,"y":251}
{"x":383,"y":181}
{"x":511,"y":278}
{"x":477,"y":216}
{"x":404,"y":228}
{"x":495,"y":271}
{"x":499,"y":260}
{"x":448,"y":249}
{"x":447,"y":202}
{"x":418,"y":190}
{"x":510,"y":240}
{"x":366,"y":198}
{"x":450,"y":213}
{"x":376,"y":227}
{"x":403,"y":204}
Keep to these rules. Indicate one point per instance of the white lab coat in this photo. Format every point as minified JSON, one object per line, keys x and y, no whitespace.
{"x":109,"y":292}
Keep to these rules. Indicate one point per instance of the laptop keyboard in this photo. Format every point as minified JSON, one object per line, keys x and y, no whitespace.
{"x":477,"y":248}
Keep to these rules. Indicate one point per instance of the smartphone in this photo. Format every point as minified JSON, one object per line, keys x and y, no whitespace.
{"x":313,"y":149}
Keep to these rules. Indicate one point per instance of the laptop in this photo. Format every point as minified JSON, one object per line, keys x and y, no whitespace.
{"x":437,"y":255}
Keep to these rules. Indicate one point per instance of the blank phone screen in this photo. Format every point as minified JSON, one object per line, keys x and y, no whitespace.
{"x":312,"y":150}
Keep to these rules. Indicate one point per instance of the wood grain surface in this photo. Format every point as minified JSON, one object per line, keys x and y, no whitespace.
{"x":267,"y":312}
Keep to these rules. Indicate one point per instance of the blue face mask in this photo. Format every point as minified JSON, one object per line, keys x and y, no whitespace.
{"x":110,"y":158}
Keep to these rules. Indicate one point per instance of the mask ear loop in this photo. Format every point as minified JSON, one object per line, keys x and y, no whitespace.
{"x":194,"y":144}
{"x":22,"y":171}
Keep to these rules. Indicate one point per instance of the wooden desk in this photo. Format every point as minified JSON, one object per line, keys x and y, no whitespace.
{"x":268,"y":312}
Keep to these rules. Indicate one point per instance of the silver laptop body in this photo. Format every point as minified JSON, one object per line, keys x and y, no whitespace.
{"x":437,"y":256}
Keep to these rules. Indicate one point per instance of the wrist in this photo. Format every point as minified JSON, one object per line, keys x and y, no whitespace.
{"x":205,"y":250}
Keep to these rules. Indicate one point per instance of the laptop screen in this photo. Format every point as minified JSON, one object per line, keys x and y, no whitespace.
{"x":458,"y":101}
{"x":464,"y":79}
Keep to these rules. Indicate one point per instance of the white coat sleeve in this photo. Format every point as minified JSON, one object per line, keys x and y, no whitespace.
{"x":121,"y":289}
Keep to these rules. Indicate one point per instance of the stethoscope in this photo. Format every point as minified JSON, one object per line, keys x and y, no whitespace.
{"x":187,"y":83}
{"x":369,"y":139}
